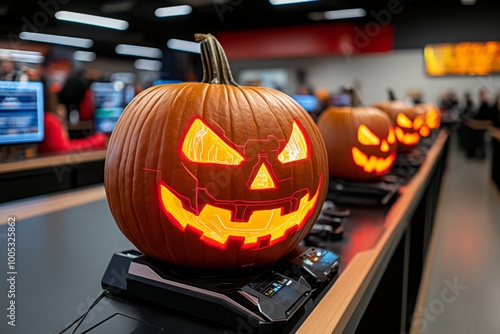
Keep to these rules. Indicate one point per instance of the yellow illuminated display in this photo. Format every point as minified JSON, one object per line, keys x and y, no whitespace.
{"x":296,"y":149}
{"x":217,"y":225}
{"x":203,"y":145}
{"x":263,"y":179}
{"x":371,"y":164}
{"x":468,"y":58}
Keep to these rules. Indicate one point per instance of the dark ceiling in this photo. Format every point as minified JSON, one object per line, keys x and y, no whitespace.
{"x":207,"y":16}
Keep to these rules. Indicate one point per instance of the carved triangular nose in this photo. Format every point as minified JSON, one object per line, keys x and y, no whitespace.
{"x":263,"y":179}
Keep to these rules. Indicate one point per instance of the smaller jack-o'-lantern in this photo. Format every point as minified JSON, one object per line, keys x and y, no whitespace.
{"x":431,"y":116}
{"x":360,"y":141}
{"x":407,"y":123}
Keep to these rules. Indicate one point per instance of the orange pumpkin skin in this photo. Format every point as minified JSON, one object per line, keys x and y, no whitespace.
{"x":340,"y":128}
{"x":147,"y":159}
{"x":407,"y":135}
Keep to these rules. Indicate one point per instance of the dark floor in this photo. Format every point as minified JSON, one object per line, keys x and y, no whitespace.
{"x":462,"y":292}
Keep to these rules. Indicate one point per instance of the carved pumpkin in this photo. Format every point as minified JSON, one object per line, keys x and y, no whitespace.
{"x":360,"y":141}
{"x":431,"y":116}
{"x":215,"y":175}
{"x":407,"y":123}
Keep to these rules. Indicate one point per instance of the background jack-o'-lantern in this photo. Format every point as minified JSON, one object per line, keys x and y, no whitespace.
{"x":406,"y":121}
{"x":215,"y":175}
{"x":360,"y":141}
{"x":431,"y":116}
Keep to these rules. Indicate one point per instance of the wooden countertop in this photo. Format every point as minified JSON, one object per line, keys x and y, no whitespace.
{"x":341,"y":302}
{"x":70,"y":159}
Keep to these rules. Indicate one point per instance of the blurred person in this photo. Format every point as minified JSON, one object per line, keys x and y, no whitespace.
{"x":74,"y":92}
{"x":467,"y":108}
{"x":56,"y":135}
{"x":449,"y":101}
{"x":485,"y":111}
{"x":496,"y":111}
{"x":8,"y":70}
{"x":476,"y":141}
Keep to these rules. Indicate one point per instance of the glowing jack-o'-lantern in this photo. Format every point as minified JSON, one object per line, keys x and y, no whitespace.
{"x":431,"y":115}
{"x":360,"y":141}
{"x":215,"y":175}
{"x":407,"y":123}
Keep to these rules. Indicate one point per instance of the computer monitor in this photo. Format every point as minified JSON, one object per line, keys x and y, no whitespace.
{"x":309,"y":102}
{"x":166,"y":82}
{"x":110,"y":99}
{"x":21,"y":112}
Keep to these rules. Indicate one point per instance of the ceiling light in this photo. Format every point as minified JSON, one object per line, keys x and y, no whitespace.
{"x":94,"y":20}
{"x":57,"y":39}
{"x":287,"y":2}
{"x":468,"y":2}
{"x":148,"y":65}
{"x":140,"y":51}
{"x":345,"y":14}
{"x":181,"y":45}
{"x":22,"y":56}
{"x":84,"y":56}
{"x":173,"y":11}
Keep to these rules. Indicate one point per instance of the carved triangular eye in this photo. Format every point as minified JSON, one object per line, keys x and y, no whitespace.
{"x":297,"y":147}
{"x":404,"y":122}
{"x":366,"y":136}
{"x":201,"y":144}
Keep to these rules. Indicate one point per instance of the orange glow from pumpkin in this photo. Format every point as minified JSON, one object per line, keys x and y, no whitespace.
{"x":297,"y":147}
{"x":384,"y":147}
{"x":263,"y":179}
{"x":433,"y":119}
{"x":404,"y":122}
{"x":392,"y":137}
{"x":373,"y":164}
{"x":417,"y":123}
{"x":409,"y":139}
{"x":425,"y":131}
{"x":201,"y":144}
{"x":217,"y":227}
{"x":366,"y":137}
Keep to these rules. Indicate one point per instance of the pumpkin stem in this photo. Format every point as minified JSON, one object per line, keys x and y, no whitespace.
{"x":354,"y":96}
{"x":391,"y":94}
{"x":216,"y":68}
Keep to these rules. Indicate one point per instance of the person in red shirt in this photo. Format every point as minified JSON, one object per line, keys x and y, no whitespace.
{"x":56,"y":135}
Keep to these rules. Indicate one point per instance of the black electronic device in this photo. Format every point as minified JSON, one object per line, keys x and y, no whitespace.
{"x":265,"y":299}
{"x":362,"y":193}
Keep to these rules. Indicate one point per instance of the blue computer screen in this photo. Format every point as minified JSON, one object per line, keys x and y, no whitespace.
{"x":21,"y":112}
{"x":110,"y":99}
{"x":309,"y":102}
